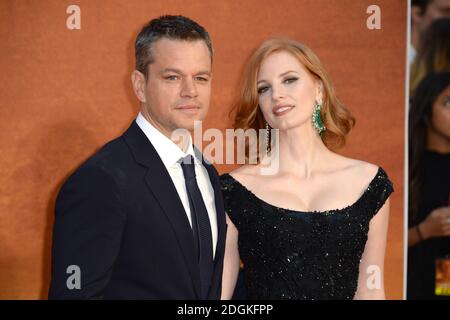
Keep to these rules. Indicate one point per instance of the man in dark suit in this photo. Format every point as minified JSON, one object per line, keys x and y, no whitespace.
{"x":143,"y":218}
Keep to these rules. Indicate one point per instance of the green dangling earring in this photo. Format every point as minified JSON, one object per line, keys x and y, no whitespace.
{"x":268,"y":144}
{"x":317,"y":119}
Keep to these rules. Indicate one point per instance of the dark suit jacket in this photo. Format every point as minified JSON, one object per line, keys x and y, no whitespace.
{"x":120,"y":220}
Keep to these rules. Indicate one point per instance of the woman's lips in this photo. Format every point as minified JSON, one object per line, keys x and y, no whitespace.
{"x":282,"y":110}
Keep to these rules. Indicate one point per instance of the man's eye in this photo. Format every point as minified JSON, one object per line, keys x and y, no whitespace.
{"x":172,"y":78}
{"x":203,"y":79}
{"x":262,"y":90}
{"x":290,"y":80}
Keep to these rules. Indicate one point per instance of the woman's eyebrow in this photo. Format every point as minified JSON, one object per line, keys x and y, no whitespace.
{"x":281,"y":75}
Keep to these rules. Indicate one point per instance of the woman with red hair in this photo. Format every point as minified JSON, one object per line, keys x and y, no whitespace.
{"x":314,"y":228}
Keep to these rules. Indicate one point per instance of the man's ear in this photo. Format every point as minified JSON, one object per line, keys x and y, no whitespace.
{"x":139,"y":82}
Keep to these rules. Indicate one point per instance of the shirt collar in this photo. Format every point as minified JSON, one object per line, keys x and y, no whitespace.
{"x":167,"y":150}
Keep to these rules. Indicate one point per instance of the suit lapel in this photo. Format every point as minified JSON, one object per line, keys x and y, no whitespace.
{"x":163,"y":189}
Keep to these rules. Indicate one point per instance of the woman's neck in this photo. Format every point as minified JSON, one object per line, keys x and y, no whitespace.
{"x":301,"y":150}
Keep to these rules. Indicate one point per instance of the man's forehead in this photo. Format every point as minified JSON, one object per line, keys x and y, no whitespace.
{"x":181,"y":54}
{"x":178,"y":46}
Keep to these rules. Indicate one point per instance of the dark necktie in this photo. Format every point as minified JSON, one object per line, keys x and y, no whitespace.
{"x":201,"y":226}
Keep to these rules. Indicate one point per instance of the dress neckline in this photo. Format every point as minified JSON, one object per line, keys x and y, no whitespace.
{"x":380,"y":173}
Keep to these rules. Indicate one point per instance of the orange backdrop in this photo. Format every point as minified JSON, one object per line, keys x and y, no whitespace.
{"x":64,"y":93}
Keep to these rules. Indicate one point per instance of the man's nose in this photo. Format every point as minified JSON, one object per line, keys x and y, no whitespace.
{"x":189,"y":89}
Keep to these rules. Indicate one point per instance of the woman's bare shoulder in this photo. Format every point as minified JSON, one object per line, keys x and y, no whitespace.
{"x":246,"y":174}
{"x":245,"y":170}
{"x":357,"y":169}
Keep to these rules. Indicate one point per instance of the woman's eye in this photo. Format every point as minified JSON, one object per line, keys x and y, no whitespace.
{"x":447,"y":103}
{"x":290,"y":80}
{"x":262,"y":90}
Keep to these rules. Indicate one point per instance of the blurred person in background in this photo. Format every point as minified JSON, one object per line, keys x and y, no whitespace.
{"x":429,"y":185}
{"x":423,"y":13}
{"x":433,"y":53}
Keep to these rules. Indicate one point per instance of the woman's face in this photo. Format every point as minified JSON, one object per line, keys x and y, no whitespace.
{"x":440,"y":118}
{"x":287,"y":91}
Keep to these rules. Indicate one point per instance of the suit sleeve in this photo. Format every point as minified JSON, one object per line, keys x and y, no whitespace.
{"x":88,"y":226}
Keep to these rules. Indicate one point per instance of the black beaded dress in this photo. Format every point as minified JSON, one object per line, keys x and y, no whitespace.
{"x":291,"y":254}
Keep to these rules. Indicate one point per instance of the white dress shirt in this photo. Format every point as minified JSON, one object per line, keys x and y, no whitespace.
{"x":170,"y":155}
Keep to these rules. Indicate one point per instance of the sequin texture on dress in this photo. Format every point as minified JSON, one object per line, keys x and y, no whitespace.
{"x":290,"y":254}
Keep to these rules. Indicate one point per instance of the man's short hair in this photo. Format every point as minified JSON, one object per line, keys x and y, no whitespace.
{"x":170,"y":27}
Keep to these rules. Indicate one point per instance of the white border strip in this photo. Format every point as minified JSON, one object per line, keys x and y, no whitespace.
{"x":406,"y":171}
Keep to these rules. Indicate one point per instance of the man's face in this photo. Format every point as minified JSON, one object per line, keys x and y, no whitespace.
{"x":178,"y":89}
